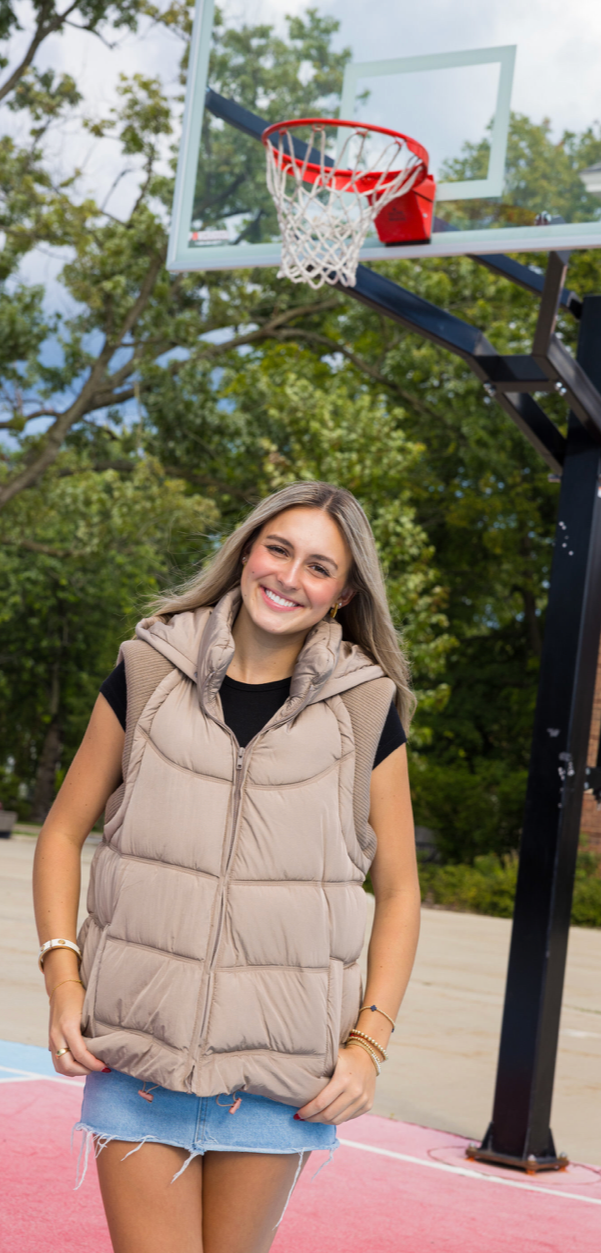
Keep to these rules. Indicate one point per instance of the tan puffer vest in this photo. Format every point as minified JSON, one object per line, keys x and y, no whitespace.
{"x":226,"y":907}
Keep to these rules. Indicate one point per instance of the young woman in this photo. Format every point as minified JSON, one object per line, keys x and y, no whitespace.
{"x":250,"y":759}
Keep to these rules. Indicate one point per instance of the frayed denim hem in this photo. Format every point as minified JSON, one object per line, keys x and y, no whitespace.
{"x":294,"y":1183}
{"x":298,"y":1171}
{"x":98,"y":1141}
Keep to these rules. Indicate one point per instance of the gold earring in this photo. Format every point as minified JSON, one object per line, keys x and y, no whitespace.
{"x":334,"y":609}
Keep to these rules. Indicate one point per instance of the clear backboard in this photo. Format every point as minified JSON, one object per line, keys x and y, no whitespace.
{"x":456,"y":103}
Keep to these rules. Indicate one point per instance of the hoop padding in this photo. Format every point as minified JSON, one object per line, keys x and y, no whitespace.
{"x":325,"y":209}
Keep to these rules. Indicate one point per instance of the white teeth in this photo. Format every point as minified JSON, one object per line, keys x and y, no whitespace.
{"x":279,"y":600}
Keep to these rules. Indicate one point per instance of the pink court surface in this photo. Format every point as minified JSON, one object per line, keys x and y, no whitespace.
{"x":391,"y":1186}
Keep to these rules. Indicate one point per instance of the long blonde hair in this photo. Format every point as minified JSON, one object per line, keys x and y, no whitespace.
{"x":365,"y":621}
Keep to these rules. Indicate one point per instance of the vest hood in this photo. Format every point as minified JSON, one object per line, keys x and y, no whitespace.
{"x":200,"y":643}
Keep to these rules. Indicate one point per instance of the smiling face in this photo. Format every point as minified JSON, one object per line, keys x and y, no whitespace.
{"x":297,"y":568}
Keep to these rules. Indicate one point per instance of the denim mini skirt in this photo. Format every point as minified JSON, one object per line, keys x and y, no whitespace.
{"x":113,"y":1109}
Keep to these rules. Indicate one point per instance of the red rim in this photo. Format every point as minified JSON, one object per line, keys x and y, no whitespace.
{"x":416,"y":148}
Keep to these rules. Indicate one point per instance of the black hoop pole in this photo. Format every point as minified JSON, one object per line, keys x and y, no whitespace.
{"x":520,"y":1126}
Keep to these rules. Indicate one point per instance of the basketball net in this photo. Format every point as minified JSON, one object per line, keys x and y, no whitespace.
{"x":325,"y":210}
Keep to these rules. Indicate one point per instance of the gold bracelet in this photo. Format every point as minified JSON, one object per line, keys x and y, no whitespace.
{"x":361,"y":1045}
{"x":375,"y":1009}
{"x":370,"y":1040}
{"x":60,"y":985}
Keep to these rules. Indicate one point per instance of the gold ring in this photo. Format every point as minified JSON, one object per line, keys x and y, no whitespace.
{"x":61,"y":1051}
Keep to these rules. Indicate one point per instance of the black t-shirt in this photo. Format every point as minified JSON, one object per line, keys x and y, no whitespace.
{"x":247,"y":707}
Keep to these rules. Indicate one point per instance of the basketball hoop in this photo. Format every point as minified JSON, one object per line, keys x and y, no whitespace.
{"x":326,"y":205}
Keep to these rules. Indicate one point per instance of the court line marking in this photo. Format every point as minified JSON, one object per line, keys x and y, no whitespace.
{"x":469,"y":1174}
{"x":26,"y":1076}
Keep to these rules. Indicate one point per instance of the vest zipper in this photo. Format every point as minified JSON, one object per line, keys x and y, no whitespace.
{"x":211,"y":957}
{"x":210,"y":962}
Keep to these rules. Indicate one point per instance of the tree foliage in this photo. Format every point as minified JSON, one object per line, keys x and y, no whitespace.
{"x":488,"y":886}
{"x":542,"y":175}
{"x":263,"y":73}
{"x":79,"y":555}
{"x":126,"y":304}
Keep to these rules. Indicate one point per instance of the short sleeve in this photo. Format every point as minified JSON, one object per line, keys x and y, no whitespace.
{"x":114,"y":690}
{"x":392,"y":736}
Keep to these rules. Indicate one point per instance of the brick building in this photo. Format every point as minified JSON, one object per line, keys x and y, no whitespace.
{"x":591,"y":814}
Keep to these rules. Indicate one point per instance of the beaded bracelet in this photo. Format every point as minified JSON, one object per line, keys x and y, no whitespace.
{"x":375,"y":1009}
{"x":367,"y":1050}
{"x":370,"y":1040}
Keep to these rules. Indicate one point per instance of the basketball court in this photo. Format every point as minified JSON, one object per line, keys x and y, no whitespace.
{"x":390,"y":1186}
{"x":409,"y":1187}
{"x":325,"y":196}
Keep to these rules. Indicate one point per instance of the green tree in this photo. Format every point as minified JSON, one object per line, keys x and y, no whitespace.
{"x":129,"y":312}
{"x":312,"y":421}
{"x":283,"y":414}
{"x":79,"y":554}
{"x":541,"y":175}
{"x":95,"y":16}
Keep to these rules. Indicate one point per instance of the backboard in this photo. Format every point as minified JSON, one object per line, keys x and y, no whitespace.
{"x":457,"y":103}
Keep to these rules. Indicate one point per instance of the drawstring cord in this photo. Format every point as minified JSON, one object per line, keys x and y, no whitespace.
{"x":147,"y":1095}
{"x":235,"y":1105}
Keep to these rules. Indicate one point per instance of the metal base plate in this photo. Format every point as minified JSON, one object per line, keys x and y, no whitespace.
{"x":530,"y":1165}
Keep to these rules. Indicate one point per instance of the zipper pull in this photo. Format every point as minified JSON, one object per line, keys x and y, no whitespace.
{"x":239,"y":759}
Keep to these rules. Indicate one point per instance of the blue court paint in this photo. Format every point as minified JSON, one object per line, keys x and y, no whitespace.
{"x":26,"y":1057}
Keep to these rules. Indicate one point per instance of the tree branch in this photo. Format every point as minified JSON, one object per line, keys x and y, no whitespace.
{"x":54,"y":436}
{"x":200,"y":210}
{"x":244,"y":234}
{"x":139,"y":305}
{"x":86,"y":401}
{"x":143,"y":189}
{"x":92,"y":31}
{"x":95,"y":394}
{"x":42,"y":30}
{"x":301,"y":311}
{"x":24,"y":418}
{"x":333,"y":346}
{"x":266,"y":331}
{"x":176,"y":472}
{"x":34,"y":547}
